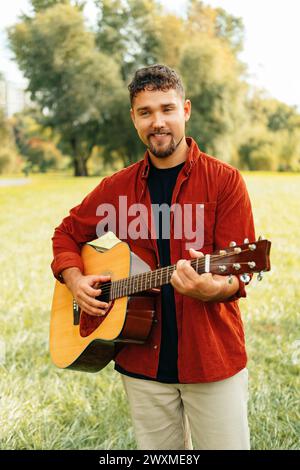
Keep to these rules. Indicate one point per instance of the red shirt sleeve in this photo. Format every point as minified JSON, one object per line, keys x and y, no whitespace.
{"x":75,"y":230}
{"x":234,"y":218}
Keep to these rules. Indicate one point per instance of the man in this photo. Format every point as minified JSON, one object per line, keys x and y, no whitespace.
{"x":190,"y":377}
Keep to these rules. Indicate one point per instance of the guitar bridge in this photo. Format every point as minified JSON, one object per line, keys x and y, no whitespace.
{"x":76,"y":313}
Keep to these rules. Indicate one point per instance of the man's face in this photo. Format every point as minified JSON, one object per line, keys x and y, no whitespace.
{"x":159,"y":118}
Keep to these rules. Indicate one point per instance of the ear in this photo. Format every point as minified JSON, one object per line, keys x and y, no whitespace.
{"x":187,"y":107}
{"x":132,"y":116}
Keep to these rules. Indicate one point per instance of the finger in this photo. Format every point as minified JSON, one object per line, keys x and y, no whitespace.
{"x":189,"y":272}
{"x":185,"y":271}
{"x":176,"y":282}
{"x":179,"y":273}
{"x":195,"y":254}
{"x":91,"y":310}
{"x":179,"y":264}
{"x":98,"y":279}
{"x":91,"y":291}
{"x":91,"y":301}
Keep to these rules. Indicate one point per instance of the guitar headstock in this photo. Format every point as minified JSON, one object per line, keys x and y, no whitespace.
{"x":242,"y":260}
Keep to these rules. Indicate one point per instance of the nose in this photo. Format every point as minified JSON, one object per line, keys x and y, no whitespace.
{"x":158,"y":121}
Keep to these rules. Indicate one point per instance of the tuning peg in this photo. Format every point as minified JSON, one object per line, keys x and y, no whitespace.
{"x":245,"y":277}
{"x":246,"y":240}
{"x":231,"y":244}
{"x":222,"y":252}
{"x":230,"y":279}
{"x":236,"y":266}
{"x":261,"y":238}
{"x":260,"y":276}
{"x":252,"y":247}
{"x":222,"y":268}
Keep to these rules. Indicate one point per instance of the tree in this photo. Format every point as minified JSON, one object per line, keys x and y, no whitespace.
{"x":73,"y":83}
{"x":127,"y":31}
{"x":271,"y":136}
{"x":36,"y":143}
{"x":212,"y":75}
{"x":10,"y":160}
{"x":202,"y":48}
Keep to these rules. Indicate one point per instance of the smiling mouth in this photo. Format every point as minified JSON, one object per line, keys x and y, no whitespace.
{"x":161,"y":134}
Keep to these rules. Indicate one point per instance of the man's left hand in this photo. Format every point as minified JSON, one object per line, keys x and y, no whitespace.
{"x":206,"y":287}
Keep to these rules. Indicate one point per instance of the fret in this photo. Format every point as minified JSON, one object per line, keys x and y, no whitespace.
{"x":134,"y":284}
{"x":148,"y":279}
{"x":155,"y":279}
{"x":144,"y":281}
{"x":168,"y":274}
{"x":111,"y":293}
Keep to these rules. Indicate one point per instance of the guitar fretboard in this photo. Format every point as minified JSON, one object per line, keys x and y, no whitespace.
{"x":148,"y":280}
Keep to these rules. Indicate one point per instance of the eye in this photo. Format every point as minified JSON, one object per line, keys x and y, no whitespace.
{"x":144,"y":113}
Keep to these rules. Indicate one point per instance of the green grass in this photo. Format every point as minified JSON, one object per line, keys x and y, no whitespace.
{"x":43,"y":407}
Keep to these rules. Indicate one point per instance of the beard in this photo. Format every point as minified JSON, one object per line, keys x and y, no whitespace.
{"x":162,"y":151}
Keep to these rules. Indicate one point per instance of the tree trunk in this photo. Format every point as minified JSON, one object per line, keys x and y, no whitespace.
{"x":80,"y":166}
{"x":79,"y":161}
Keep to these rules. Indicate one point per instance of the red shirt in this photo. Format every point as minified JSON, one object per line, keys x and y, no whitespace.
{"x":211,"y":343}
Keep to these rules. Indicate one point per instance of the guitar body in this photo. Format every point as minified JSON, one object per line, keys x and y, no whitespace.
{"x":88,"y":343}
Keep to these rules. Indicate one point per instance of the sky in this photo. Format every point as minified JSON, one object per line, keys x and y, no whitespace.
{"x":272,"y":34}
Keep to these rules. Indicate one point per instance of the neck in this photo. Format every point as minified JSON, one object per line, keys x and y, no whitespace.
{"x":177,"y":157}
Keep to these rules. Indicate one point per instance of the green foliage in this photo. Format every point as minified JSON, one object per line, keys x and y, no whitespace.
{"x":127,"y":31}
{"x":36,"y":143}
{"x":69,"y":79}
{"x":271,"y":136}
{"x":10,"y":160}
{"x":78,"y":78}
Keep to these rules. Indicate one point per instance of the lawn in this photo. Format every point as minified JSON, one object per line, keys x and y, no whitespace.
{"x":43,"y":407}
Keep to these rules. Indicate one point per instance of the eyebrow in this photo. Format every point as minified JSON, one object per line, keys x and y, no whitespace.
{"x":165,"y":105}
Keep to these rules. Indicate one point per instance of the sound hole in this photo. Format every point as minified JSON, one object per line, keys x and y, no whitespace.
{"x":89,"y":323}
{"x":105,"y":288}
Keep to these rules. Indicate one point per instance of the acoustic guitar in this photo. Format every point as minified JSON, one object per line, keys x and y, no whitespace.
{"x":88,"y":343}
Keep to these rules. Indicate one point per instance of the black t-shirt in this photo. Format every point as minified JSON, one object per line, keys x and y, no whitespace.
{"x":161,"y":183}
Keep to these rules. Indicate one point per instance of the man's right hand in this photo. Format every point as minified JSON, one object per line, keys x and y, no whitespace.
{"x":85,"y":289}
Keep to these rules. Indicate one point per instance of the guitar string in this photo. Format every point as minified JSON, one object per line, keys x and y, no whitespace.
{"x":108,"y":286}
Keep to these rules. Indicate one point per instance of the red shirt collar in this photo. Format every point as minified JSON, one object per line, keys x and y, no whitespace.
{"x":192,"y":157}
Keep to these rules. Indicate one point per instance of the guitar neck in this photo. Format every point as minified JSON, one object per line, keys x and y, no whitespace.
{"x":149,"y":280}
{"x":235,"y":260}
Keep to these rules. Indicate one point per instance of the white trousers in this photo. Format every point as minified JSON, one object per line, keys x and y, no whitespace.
{"x":171,"y":416}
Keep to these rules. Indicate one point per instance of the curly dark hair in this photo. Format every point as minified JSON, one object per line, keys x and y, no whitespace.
{"x":155,"y":77}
